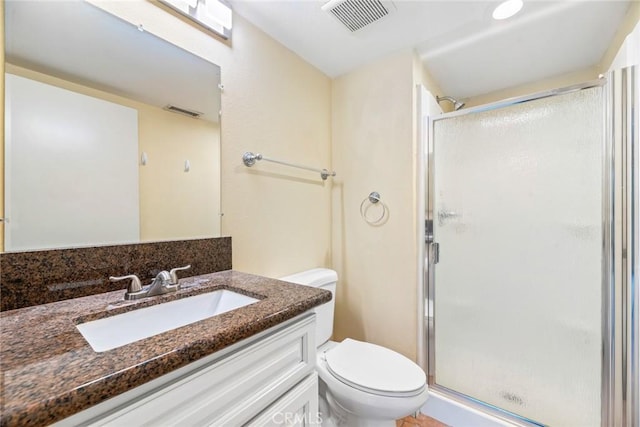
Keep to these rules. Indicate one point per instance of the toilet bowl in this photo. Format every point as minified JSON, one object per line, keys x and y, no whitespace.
{"x":360,"y":397}
{"x":361,"y":384}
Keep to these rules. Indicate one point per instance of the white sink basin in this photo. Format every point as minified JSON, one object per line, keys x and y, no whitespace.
{"x":116,"y":331}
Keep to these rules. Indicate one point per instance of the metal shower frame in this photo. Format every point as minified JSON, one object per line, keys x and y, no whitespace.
{"x":620,"y":392}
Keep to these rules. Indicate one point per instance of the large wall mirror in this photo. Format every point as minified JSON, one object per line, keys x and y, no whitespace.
{"x":100,"y":143}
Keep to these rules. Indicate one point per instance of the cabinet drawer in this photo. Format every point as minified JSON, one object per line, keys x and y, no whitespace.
{"x":231,"y":390}
{"x":299,"y":407}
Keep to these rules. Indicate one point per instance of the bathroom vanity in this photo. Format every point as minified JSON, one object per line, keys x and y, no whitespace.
{"x":253,"y":365}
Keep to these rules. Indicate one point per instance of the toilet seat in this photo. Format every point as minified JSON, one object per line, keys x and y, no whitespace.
{"x":375,"y":369}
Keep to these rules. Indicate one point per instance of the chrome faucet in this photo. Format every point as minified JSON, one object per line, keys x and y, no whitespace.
{"x":164,"y":282}
{"x":161,"y":285}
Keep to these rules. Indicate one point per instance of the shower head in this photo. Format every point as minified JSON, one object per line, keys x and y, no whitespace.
{"x":456,"y":104}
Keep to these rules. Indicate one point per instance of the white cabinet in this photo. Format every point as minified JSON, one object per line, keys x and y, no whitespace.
{"x":298,"y":407}
{"x":268,"y":379}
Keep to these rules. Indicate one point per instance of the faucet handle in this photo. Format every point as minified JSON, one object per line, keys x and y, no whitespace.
{"x":134,"y":286}
{"x":174,"y":273}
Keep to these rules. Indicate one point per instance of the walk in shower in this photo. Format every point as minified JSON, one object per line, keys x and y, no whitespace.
{"x":531,"y":256}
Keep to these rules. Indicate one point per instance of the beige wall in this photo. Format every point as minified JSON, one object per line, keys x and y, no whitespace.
{"x":534,"y":87}
{"x":276,"y":104}
{"x":171,"y":202}
{"x":175,"y":204}
{"x":374,"y":146}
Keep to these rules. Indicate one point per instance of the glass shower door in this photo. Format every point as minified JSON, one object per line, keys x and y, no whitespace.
{"x":517,"y":209}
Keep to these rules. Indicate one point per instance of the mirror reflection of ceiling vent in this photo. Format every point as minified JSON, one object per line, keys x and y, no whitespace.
{"x":183,"y":111}
{"x":357,"y":14}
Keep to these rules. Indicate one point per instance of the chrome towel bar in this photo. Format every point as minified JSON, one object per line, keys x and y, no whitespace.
{"x":249,"y":159}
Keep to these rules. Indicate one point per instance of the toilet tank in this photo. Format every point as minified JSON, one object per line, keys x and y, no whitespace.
{"x":319,"y":278}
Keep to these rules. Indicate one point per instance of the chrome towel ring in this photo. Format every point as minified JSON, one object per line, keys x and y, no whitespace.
{"x":373,"y":199}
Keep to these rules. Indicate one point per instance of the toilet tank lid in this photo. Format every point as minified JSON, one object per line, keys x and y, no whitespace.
{"x":316,"y":277}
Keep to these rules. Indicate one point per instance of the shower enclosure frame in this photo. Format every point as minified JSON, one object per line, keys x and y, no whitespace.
{"x":620,"y":263}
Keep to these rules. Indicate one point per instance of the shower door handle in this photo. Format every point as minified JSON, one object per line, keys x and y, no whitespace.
{"x":428,"y":231}
{"x":435,"y":252}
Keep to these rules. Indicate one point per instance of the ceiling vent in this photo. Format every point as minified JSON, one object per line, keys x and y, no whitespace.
{"x":357,"y":14}
{"x":183,"y":111}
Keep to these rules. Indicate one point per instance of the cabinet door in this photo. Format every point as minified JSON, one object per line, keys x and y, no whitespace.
{"x":298,"y":407}
{"x":230,"y":391}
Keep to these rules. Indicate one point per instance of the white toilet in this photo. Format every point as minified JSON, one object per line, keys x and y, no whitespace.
{"x":361,"y":384}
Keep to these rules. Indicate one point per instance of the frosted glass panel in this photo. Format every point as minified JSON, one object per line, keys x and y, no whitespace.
{"x":517,"y":214}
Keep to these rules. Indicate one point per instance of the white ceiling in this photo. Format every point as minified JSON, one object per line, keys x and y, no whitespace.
{"x":76,"y":41}
{"x":465,"y":50}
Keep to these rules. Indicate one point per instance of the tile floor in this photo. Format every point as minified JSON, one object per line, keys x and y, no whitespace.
{"x":420,"y":421}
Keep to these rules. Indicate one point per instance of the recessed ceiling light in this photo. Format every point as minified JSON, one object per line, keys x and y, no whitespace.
{"x":507,"y":9}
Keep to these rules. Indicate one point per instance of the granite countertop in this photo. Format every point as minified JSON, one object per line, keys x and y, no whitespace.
{"x":49,"y":372}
